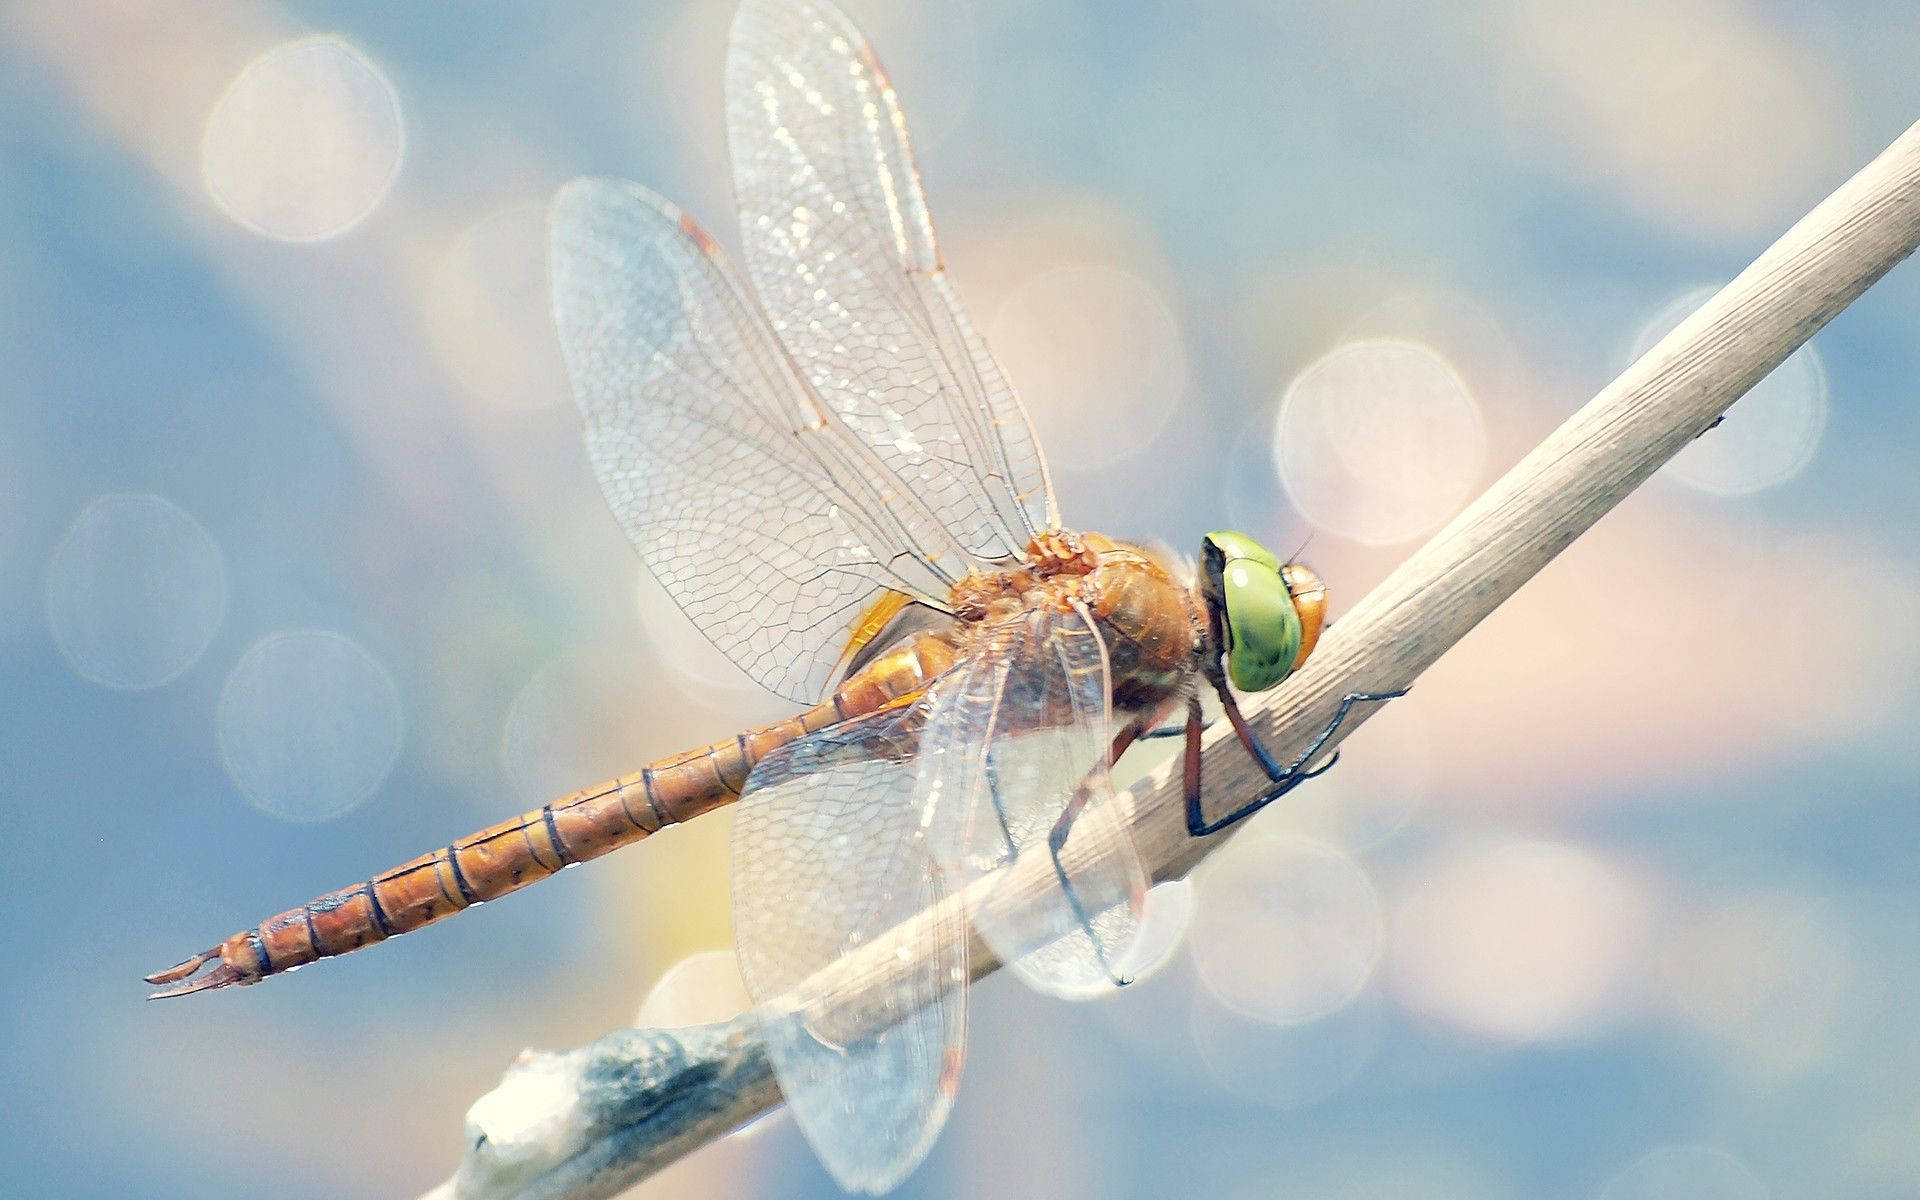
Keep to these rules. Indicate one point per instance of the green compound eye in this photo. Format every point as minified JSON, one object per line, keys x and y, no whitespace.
{"x":1260,"y":625}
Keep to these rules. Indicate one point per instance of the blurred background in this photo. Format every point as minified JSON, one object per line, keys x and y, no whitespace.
{"x":303,"y":571}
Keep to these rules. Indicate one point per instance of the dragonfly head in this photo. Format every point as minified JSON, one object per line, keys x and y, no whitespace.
{"x":1265,"y":613}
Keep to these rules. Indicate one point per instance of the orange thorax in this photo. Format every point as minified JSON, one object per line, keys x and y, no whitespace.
{"x":1147,"y":617}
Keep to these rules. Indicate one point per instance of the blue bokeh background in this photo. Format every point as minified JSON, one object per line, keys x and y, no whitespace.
{"x":1636,"y":860}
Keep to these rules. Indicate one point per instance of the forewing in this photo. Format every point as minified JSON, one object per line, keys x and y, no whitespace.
{"x":828,"y":856}
{"x":841,"y":249}
{"x":1016,"y":733}
{"x":750,"y":503}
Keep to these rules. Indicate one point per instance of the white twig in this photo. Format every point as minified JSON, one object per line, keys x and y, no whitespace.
{"x":587,"y":1123}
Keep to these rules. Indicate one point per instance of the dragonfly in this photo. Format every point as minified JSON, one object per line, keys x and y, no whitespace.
{"x":833,"y":478}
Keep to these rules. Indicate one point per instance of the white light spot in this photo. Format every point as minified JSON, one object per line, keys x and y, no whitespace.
{"x":1099,"y":357}
{"x":1686,"y":1173}
{"x":1769,"y":435}
{"x":1286,"y":1066}
{"x":489,"y":311}
{"x":1379,"y":441}
{"x":135,"y":592}
{"x":1460,"y":328}
{"x":700,"y":989}
{"x":1519,"y":940}
{"x":304,"y":143}
{"x":309,"y":725}
{"x":1286,"y":930}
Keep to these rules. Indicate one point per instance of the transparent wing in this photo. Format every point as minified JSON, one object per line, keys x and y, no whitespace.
{"x":841,"y":249}
{"x":749,"y":501}
{"x":1016,"y":734}
{"x":828,"y":855}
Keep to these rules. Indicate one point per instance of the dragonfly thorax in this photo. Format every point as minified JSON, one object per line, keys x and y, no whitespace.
{"x":1149,"y":620}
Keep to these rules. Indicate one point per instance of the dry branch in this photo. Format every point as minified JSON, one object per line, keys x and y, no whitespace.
{"x":587,"y":1123}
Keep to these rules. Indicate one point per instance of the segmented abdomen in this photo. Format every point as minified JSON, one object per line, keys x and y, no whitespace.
{"x":528,"y":848}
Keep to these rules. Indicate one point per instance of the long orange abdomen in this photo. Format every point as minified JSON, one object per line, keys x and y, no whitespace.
{"x":528,"y":848}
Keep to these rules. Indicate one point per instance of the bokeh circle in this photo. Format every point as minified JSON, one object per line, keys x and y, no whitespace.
{"x":136,"y":591}
{"x":304,"y":143}
{"x":1287,"y":929}
{"x":1769,"y":435}
{"x":1379,"y":441}
{"x":309,"y":725}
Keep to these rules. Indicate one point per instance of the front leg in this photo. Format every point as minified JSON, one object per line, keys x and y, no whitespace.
{"x":1284,"y":778}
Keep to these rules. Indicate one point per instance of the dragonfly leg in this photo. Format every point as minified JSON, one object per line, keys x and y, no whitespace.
{"x":1000,"y":814}
{"x":1057,"y":841}
{"x":1080,"y":911}
{"x":1164,"y":731}
{"x":1285,"y":778}
{"x":1177,"y":728}
{"x":1057,"y":836}
{"x":1190,"y":767}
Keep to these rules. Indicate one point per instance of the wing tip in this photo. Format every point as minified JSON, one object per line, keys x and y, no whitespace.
{"x":581,"y":201}
{"x":592,"y":216}
{"x":753,"y":15}
{"x":594,"y":192}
